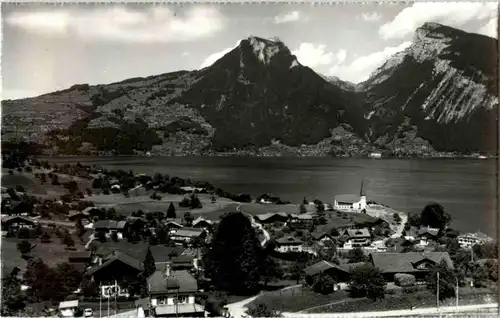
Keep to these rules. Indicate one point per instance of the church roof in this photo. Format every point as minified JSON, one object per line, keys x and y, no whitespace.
{"x":347,"y":198}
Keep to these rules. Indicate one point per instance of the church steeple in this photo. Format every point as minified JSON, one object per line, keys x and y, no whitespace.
{"x":362,"y":190}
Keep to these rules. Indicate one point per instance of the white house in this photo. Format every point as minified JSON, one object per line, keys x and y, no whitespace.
{"x":350,"y":202}
{"x":467,"y":241}
{"x":68,"y":308}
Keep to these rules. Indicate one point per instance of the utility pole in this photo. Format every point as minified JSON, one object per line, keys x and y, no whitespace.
{"x":109,"y":296}
{"x":100,"y":300}
{"x":456,"y":290}
{"x":437,"y":293}
{"x":116,"y":292}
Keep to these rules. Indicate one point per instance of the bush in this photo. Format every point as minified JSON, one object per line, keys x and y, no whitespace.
{"x":404,"y":280}
{"x":410,"y":289}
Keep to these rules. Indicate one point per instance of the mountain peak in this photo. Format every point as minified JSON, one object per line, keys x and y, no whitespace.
{"x":265,"y":49}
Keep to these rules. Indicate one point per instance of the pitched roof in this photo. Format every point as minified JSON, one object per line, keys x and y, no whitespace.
{"x":319,"y":235}
{"x":81,"y":254}
{"x":349,"y":266}
{"x":317,"y":268}
{"x":356,"y":233}
{"x":68,"y":304}
{"x":266,"y":216}
{"x":404,"y":262}
{"x":162,"y":253}
{"x":289,"y":240}
{"x":90,"y":208}
{"x":200,"y":219}
{"x":305,"y":216}
{"x":347,"y":198}
{"x":122,"y":257}
{"x":17,"y":218}
{"x":428,"y":230}
{"x":179,"y":281}
{"x":189,"y":232}
{"x":110,"y":224}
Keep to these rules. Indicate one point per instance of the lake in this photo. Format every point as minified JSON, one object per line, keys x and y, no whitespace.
{"x":466,"y":188}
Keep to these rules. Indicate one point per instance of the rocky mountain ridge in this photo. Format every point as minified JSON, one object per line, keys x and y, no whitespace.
{"x":259,"y":100}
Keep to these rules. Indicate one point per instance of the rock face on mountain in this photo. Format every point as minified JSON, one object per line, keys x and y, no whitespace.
{"x":440,"y":92}
{"x":259,"y":100}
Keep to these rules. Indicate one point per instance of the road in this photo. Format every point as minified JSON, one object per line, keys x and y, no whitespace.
{"x":379,"y":211}
{"x":237,"y":310}
{"x":486,"y":310}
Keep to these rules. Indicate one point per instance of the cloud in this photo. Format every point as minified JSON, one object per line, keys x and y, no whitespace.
{"x":158,"y":24}
{"x":371,"y":17}
{"x":490,"y":28}
{"x":341,"y":56}
{"x":212,"y":58}
{"x":287,"y":17}
{"x":361,"y":68}
{"x":454,"y":14}
{"x":185,"y":54}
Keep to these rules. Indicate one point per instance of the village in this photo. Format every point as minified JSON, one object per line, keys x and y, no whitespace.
{"x":84,"y":241}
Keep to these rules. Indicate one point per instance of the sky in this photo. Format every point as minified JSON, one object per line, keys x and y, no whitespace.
{"x":48,"y":47}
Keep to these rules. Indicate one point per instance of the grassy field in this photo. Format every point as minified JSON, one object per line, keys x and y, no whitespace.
{"x":34,"y":186}
{"x":420,"y":299}
{"x":52,"y":253}
{"x":255,"y":208}
{"x":296,"y":299}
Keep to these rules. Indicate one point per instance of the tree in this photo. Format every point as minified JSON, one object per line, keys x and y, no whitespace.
{"x":447,"y":281}
{"x":304,"y":201}
{"x":270,"y":270}
{"x":80,"y":229}
{"x":213,"y":199}
{"x":149,"y":264}
{"x":13,"y":299}
{"x":324,"y":284}
{"x":433,"y":215}
{"x":23,"y":247}
{"x":195,"y":202}
{"x":261,"y":310}
{"x":320,"y":207}
{"x":68,"y":240}
{"x":302,"y":208}
{"x":188,"y":218}
{"x":235,"y":254}
{"x":72,"y":186}
{"x":45,"y":237}
{"x":367,"y":281}
{"x":356,"y":255}
{"x":114,"y":236}
{"x":101,"y":236}
{"x":171,"y":211}
{"x":55,"y":179}
{"x":397,"y":218}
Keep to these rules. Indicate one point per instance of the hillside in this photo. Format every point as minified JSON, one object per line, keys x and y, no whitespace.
{"x":438,"y":94}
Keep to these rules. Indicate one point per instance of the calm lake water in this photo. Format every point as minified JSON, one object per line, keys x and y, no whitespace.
{"x":466,"y":188}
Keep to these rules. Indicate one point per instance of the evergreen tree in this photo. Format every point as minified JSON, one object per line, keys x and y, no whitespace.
{"x":149,"y":264}
{"x":302,"y":208}
{"x":171,"y":211}
{"x":235,"y":256}
{"x":367,"y":281}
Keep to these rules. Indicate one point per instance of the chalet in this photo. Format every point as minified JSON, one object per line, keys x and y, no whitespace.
{"x":425,"y":235}
{"x":188,"y":235}
{"x":415,"y":263}
{"x":12,"y":224}
{"x":164,"y":254}
{"x":173,"y":224}
{"x":80,"y":257}
{"x":322,"y":237}
{"x":289,"y":244}
{"x":202,"y":223}
{"x":355,"y":238}
{"x":109,"y":226}
{"x":172,"y":294}
{"x":93,"y":212}
{"x":340,"y":273}
{"x":68,"y":308}
{"x":350,"y":202}
{"x":302,"y":221}
{"x":136,"y":224}
{"x":269,"y":218}
{"x":117,"y":272}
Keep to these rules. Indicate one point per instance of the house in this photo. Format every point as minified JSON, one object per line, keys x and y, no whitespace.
{"x":322,"y":237}
{"x":12,"y":224}
{"x":355,"y":238}
{"x":340,"y":273}
{"x":269,"y":218}
{"x":109,"y":226}
{"x":116,"y":272}
{"x":350,"y":202}
{"x":68,"y":308}
{"x":425,"y":235}
{"x":80,"y":257}
{"x":172,"y":294}
{"x":289,"y":244}
{"x":188,"y":235}
{"x":164,"y":254}
{"x":94,"y":212}
{"x":302,"y":221}
{"x":415,"y":263}
{"x":136,"y":224}
{"x":202,"y":223}
{"x":467,"y":241}
{"x":173,"y":224}
{"x":74,"y":216}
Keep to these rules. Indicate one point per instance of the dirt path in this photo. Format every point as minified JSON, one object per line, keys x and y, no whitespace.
{"x":237,"y":310}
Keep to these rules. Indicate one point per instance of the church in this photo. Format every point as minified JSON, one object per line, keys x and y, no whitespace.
{"x":351,"y":202}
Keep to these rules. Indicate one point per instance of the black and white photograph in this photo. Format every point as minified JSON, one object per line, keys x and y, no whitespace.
{"x":253,"y":159}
